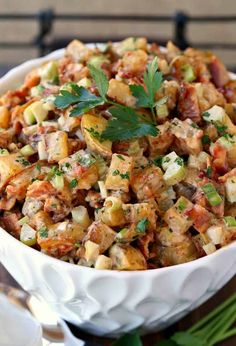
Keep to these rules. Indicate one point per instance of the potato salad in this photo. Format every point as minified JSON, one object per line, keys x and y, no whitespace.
{"x":121,"y":156}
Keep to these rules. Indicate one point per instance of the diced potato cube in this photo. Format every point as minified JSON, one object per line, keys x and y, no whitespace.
{"x":159,"y":144}
{"x":92,"y":127}
{"x":91,"y":251}
{"x":177,"y":217}
{"x":148,"y":183}
{"x":5,"y":117}
{"x":56,"y":145}
{"x":230,"y":187}
{"x":11,"y":165}
{"x":126,"y":257}
{"x":139,"y":211}
{"x":103,"y":262}
{"x":217,"y":114}
{"x":119,"y":173}
{"x":215,"y":234}
{"x":209,"y":248}
{"x":100,"y":234}
{"x":120,"y":92}
{"x":188,"y":136}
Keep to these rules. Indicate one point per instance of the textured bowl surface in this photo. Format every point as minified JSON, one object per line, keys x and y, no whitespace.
{"x":110,"y":302}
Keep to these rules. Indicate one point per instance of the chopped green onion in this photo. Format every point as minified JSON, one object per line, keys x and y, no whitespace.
{"x":212,"y":195}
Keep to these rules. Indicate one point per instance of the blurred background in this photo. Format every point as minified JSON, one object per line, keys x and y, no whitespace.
{"x":32,"y":28}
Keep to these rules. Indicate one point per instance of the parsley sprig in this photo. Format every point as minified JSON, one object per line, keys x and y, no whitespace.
{"x":215,"y":327}
{"x":146,"y":94}
{"x":125,"y":122}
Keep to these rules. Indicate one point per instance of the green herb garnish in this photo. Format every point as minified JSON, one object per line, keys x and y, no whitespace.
{"x":221,"y":129}
{"x":214,"y":328}
{"x":120,"y":157}
{"x":23,"y":161}
{"x":208,"y":172}
{"x":73,"y":183}
{"x":206,"y":139}
{"x":158,"y":161}
{"x":142,"y":225}
{"x":146,"y":96}
{"x":95,"y":134}
{"x":43,"y":232}
{"x":125,"y":123}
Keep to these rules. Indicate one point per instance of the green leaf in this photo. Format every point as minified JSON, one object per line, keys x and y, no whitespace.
{"x":139,"y":92}
{"x":152,"y":79}
{"x":126,"y":124}
{"x":100,"y":80}
{"x":85,"y":106}
{"x":166,"y":343}
{"x":65,"y":99}
{"x":142,"y":225}
{"x":187,"y":339}
{"x":80,"y":94}
{"x":128,"y":340}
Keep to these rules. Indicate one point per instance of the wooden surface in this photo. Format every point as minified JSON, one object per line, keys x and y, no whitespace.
{"x":151,"y":339}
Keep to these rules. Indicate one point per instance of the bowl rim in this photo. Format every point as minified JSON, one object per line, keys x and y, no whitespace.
{"x":22,"y":69}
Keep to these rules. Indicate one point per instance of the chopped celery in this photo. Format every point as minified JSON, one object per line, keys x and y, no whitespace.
{"x":28,"y":235}
{"x":211,"y":194}
{"x":188,"y":73}
{"x":58,"y":182}
{"x":162,"y":111}
{"x":23,"y":220}
{"x":103,"y":189}
{"x":230,"y":221}
{"x":35,"y":112}
{"x":122,"y":233}
{"x":85,"y":82}
{"x":113,"y":203}
{"x":49,"y":71}
{"x":174,"y":173}
{"x":167,"y":160}
{"x":27,"y":150}
{"x":4,"y":152}
{"x":98,"y":60}
{"x":80,"y":215}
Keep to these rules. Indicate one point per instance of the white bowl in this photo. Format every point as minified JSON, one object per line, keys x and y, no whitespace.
{"x":110,"y":302}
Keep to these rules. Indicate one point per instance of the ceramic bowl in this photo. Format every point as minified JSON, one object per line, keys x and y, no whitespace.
{"x":111,"y":303}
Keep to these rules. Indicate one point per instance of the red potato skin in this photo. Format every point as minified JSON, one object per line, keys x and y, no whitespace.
{"x":188,"y":106}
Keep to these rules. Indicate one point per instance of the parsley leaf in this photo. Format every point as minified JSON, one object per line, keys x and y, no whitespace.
{"x":100,"y":80}
{"x":73,"y":183}
{"x":152,"y":80}
{"x":142,"y":225}
{"x":84,"y":99}
{"x":126,"y":124}
{"x":128,"y":340}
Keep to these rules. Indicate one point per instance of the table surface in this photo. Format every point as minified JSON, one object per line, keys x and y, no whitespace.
{"x":184,"y":323}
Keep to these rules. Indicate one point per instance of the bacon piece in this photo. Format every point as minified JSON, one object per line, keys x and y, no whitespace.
{"x":201,"y":218}
{"x":218,"y":71}
{"x":188,"y":106}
